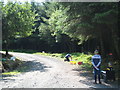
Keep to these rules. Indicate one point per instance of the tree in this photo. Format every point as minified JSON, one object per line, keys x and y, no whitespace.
{"x":17,"y":21}
{"x":0,"y":26}
{"x":55,"y":25}
{"x":94,"y":20}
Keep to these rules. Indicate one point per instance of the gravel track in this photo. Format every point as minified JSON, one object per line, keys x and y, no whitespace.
{"x":47,"y":72}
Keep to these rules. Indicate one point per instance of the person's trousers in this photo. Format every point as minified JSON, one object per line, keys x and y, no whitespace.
{"x":67,"y":59}
{"x":97,"y":73}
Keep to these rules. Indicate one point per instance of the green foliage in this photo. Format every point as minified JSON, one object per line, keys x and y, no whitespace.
{"x":65,"y":25}
{"x":22,"y":51}
{"x":84,"y":19}
{"x":77,"y":57}
{"x":57,"y":17}
{"x":59,"y":55}
{"x":17,"y":20}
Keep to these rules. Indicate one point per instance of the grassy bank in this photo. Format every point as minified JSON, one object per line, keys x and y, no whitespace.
{"x":12,"y":67}
{"x":19,"y":69}
{"x":76,"y":57}
{"x":22,"y":51}
{"x":86,"y":59}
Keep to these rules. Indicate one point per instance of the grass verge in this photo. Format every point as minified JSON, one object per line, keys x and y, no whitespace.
{"x":76,"y":57}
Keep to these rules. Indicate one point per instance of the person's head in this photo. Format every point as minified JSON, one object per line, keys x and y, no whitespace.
{"x":96,"y":52}
{"x":109,"y":64}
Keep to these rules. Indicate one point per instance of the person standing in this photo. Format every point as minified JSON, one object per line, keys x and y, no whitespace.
{"x":96,"y":62}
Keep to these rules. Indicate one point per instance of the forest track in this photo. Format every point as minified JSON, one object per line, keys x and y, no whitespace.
{"x":48,"y":72}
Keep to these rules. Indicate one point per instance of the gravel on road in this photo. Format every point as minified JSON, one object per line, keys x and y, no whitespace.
{"x":48,"y":72}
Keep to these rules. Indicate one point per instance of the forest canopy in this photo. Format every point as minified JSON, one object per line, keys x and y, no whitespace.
{"x":62,"y":27}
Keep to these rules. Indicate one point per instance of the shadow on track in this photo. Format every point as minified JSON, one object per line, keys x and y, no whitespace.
{"x":33,"y":65}
{"x":89,"y":80}
{"x":27,"y":66}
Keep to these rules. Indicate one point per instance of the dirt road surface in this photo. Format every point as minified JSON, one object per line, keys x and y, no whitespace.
{"x":48,"y":72}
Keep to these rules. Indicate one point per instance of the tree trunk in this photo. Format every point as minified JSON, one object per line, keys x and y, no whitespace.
{"x":6,"y":48}
{"x":102,"y":45}
{"x":6,"y":52}
{"x":102,"y":48}
{"x":116,"y":43}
